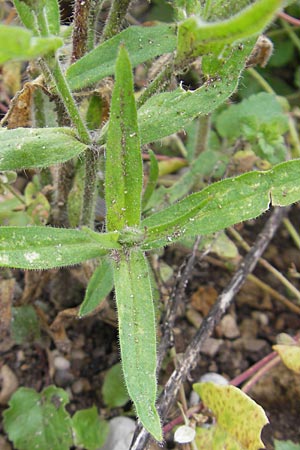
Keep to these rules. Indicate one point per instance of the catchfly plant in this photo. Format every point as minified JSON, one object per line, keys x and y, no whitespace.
{"x":84,"y":139}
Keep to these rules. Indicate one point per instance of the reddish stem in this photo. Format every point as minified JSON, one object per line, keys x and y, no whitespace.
{"x":289,"y":19}
{"x":253,"y":369}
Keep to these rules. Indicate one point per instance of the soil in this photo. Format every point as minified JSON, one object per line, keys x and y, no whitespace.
{"x":79,"y":359}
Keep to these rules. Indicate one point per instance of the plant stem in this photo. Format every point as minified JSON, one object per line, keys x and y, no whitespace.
{"x":276,"y":295}
{"x":289,"y":19}
{"x":90,"y":186}
{"x":264,"y":84}
{"x":294,"y":38}
{"x":156,"y":85}
{"x":204,"y":123}
{"x":263,"y":371}
{"x":115,"y":18}
{"x":267,"y":265}
{"x":293,"y":232}
{"x":81,"y":41}
{"x":94,"y":13}
{"x":253,"y":369}
{"x":295,"y":151}
{"x":69,"y":102}
{"x":15,"y":193}
{"x":80,"y":29}
{"x":39,"y":109}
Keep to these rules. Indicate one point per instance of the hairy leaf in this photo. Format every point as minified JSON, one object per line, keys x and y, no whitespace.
{"x":22,"y":45}
{"x":196,"y":37}
{"x":224,"y":203}
{"x":53,"y":16}
{"x":22,"y":148}
{"x":26,"y":15}
{"x":124,"y":171}
{"x":142,"y":43}
{"x":169,"y":112}
{"x":46,"y":247}
{"x":239,"y":420}
{"x":137,"y":335}
{"x":33,"y":420}
{"x":100,"y":285}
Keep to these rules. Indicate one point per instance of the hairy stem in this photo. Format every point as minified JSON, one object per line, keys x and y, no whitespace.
{"x":80,"y":28}
{"x":90,"y":186}
{"x":157,"y":84}
{"x":115,"y":18}
{"x":204,"y":123}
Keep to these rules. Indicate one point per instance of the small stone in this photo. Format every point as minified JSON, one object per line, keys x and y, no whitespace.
{"x":249,"y":328}
{"x":78,"y":354}
{"x":211,"y":346}
{"x":229,"y":327}
{"x":254,"y":345}
{"x":61,"y":363}
{"x":260,"y":317}
{"x":8,"y":383}
{"x":81,"y":385}
{"x":121,"y":430}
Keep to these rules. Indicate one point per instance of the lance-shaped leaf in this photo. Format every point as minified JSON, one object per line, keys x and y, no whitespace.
{"x":169,"y":112}
{"x":28,"y":11}
{"x":196,"y":37}
{"x":223,"y":204}
{"x":22,"y":148}
{"x":142,"y":43}
{"x":53,"y":16}
{"x":124,"y":171}
{"x":20,"y":44}
{"x":100,"y":285}
{"x":137,"y":334}
{"x":238,"y":419}
{"x":46,"y":247}
{"x":26,"y":14}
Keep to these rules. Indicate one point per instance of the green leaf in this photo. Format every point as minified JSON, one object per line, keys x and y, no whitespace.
{"x":53,"y":16}
{"x":152,"y":179}
{"x":22,"y":148}
{"x":196,"y":37}
{"x":26,"y":15}
{"x":22,"y":45}
{"x":185,"y":8}
{"x":169,"y":112}
{"x":261,"y":121}
{"x":46,"y":247}
{"x":137,"y":334}
{"x":219,"y":10}
{"x":142,"y":43}
{"x":90,"y":430}
{"x":223,"y":204}
{"x":239,"y":420}
{"x":290,"y":355}
{"x":34,"y":420}
{"x":100,"y":285}
{"x":25,"y":326}
{"x":124,"y":170}
{"x":286,"y":445}
{"x":114,"y":391}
